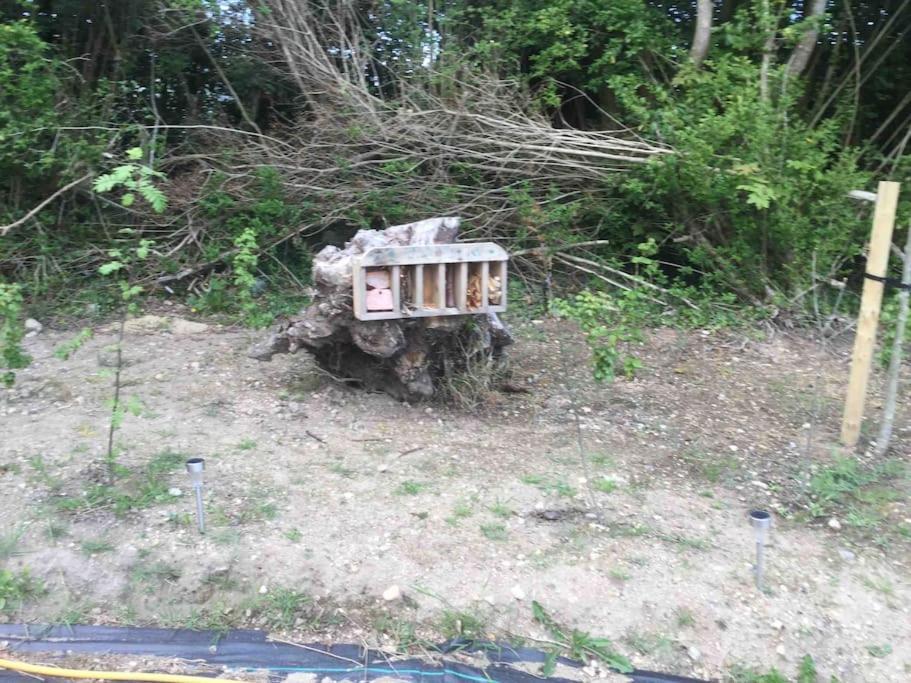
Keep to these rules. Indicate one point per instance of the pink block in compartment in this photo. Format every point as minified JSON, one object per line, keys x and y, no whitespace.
{"x":379,"y":299}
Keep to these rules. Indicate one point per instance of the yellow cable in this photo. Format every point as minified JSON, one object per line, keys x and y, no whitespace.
{"x":108,"y":675}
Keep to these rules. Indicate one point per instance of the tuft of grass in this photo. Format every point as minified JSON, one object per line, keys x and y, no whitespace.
{"x":602,"y":460}
{"x":341,"y":470}
{"x":294,"y":535}
{"x":96,"y":546}
{"x":879,"y":585}
{"x":879,"y":651}
{"x":459,"y":512}
{"x":9,"y":543}
{"x":402,"y":631}
{"x":606,"y":485}
{"x":806,"y":673}
{"x":846,"y":483}
{"x":246,"y":445}
{"x":710,"y":466}
{"x":56,"y":530}
{"x":155,"y":572}
{"x":138,"y":490}
{"x":42,"y":476}
{"x":73,"y":613}
{"x":653,"y":644}
{"x":455,"y":624}
{"x":619,"y":574}
{"x":281,"y":607}
{"x":501,"y":510}
{"x":409,"y":488}
{"x":494,"y":532}
{"x":684,"y":617}
{"x":559,"y":487}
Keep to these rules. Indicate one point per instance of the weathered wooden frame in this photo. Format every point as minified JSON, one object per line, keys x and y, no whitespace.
{"x":415,"y":261}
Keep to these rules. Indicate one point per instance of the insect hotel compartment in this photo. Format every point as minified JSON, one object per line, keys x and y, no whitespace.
{"x":432,"y":280}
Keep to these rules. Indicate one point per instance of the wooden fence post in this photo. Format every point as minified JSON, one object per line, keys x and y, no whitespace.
{"x":868,"y":319}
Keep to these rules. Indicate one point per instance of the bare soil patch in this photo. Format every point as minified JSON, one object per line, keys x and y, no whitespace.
{"x":620,"y":508}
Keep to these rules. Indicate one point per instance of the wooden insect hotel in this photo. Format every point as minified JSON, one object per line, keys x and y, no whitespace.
{"x":389,"y":310}
{"x":429,"y":280}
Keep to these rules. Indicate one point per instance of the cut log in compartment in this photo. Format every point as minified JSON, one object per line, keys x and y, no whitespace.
{"x":409,"y":356}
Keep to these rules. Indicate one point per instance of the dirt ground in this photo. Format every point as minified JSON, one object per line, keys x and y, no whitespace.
{"x":620,"y":508}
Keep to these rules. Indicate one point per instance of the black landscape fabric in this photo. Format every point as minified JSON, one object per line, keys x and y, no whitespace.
{"x":244,"y":649}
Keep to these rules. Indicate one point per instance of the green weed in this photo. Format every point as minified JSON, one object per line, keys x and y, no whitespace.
{"x":95,"y":546}
{"x":605,"y":485}
{"x":456,"y":624}
{"x":501,"y":510}
{"x":409,"y":488}
{"x":684,"y":617}
{"x":17,"y":588}
{"x":576,"y":644}
{"x":136,"y":490}
{"x":494,"y":532}
{"x":9,"y":542}
{"x":281,"y":607}
{"x":879,"y":651}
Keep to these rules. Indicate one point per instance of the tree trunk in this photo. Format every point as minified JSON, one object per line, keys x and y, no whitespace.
{"x":409,"y":358}
{"x":702,"y":35}
{"x":800,"y":57}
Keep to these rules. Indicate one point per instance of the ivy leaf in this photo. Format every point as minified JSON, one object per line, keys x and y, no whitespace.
{"x":128,"y":199}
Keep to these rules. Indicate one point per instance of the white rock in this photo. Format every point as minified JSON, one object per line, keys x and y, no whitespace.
{"x":174,"y":491}
{"x":694,"y":653}
{"x":834,"y":524}
{"x":32,"y":325}
{"x":263,"y":590}
{"x":392,"y":593}
{"x":518,"y":593}
{"x":846,"y":555}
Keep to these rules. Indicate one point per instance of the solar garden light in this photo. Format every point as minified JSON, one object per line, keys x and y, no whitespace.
{"x":761,"y":521}
{"x":195,"y":468}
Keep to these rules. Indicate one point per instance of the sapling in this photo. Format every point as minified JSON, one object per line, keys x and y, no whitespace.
{"x":895,"y":362}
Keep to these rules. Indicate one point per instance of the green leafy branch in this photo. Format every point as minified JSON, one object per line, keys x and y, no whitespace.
{"x":134,"y":178}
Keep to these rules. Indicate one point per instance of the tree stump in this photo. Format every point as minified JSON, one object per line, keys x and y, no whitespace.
{"x":410,"y":358}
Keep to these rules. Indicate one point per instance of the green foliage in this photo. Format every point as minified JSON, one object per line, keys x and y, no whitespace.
{"x":134,"y":178}
{"x":135,"y":490}
{"x":775,"y":194}
{"x":281,"y":607}
{"x":16,"y":588}
{"x":12,"y":329}
{"x":806,"y":673}
{"x":610,"y":323}
{"x":577,"y":645}
{"x":863,"y":493}
{"x":68,"y":348}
